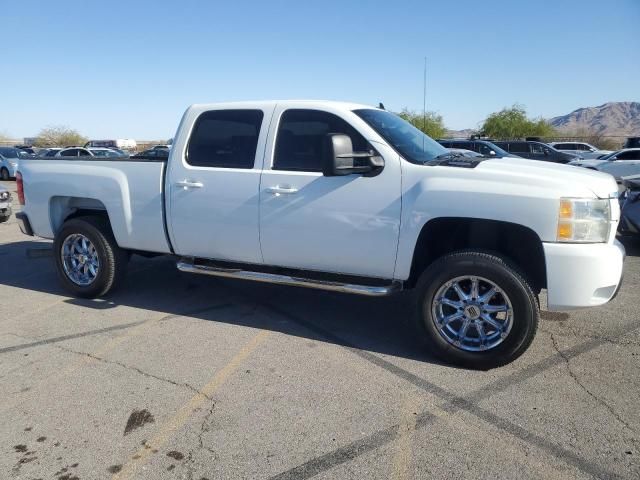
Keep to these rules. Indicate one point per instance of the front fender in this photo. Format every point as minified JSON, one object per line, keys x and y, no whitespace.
{"x":454,"y":196}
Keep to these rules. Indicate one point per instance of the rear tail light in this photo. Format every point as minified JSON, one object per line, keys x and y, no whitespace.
{"x":20,"y":188}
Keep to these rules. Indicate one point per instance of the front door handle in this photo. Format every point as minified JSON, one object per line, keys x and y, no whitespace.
{"x":189,"y":184}
{"x":278,"y":190}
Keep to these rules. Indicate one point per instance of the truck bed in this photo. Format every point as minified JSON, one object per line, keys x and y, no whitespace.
{"x":131,"y":192}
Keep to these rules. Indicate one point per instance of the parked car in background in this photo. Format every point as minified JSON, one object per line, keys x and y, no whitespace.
{"x":48,"y":152}
{"x":88,"y":152}
{"x":128,"y":144}
{"x":465,"y":153}
{"x":5,"y":204}
{"x":341,"y":197}
{"x":152,"y":153}
{"x":632,"y":142}
{"x":483,"y":147}
{"x":9,"y":157}
{"x":630,"y":206}
{"x":584,"y":150}
{"x":26,"y":148}
{"x":536,"y":151}
{"x":622,"y":163}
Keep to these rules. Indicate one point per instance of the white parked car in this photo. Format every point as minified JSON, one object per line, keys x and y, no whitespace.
{"x":9,"y":158}
{"x":5,"y":204}
{"x":622,"y":163}
{"x":582,"y":149}
{"x":344,"y":197}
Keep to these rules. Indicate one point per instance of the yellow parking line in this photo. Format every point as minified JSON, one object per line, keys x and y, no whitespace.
{"x":404,"y":443}
{"x":185,"y":412}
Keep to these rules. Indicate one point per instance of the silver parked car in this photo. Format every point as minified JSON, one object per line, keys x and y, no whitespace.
{"x":623,"y":163}
{"x":582,"y":149}
{"x":5,"y":204}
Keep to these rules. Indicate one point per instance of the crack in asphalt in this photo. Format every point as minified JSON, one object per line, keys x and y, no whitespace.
{"x":204,"y":427}
{"x":572,"y":374}
{"x":135,"y":369}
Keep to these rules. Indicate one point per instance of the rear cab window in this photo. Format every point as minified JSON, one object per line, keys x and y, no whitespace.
{"x":225,"y":139}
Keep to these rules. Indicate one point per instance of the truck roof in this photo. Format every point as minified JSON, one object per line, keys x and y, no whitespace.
{"x":287,"y":103}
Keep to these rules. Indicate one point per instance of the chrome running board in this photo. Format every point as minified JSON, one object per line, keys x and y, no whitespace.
{"x":188,"y":265}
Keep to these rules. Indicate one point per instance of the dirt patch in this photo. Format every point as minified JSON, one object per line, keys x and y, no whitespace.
{"x":20,"y":448}
{"x":137,"y":419}
{"x":114,"y":468}
{"x":175,"y":454}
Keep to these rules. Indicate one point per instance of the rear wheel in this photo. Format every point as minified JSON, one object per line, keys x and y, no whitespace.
{"x":476,"y":310}
{"x":89,"y":261}
{"x":4,"y":174}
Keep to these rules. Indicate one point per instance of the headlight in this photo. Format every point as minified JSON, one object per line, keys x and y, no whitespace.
{"x":584,"y":220}
{"x":14,"y":164}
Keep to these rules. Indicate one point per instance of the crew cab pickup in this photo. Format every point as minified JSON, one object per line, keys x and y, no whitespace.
{"x":343,"y":197}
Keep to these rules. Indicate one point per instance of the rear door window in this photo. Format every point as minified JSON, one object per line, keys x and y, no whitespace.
{"x":225,"y":139}
{"x":631,"y":155}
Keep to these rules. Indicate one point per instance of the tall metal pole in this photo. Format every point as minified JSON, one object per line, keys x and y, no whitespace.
{"x":424,"y":102}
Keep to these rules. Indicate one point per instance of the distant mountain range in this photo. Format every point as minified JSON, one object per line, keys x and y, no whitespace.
{"x":613,"y":118}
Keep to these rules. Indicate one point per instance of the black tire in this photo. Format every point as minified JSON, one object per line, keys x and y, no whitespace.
{"x":113,"y":260}
{"x":499,"y":271}
{"x":4,"y":174}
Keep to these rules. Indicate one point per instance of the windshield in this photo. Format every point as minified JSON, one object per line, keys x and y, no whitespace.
{"x":410,"y":142}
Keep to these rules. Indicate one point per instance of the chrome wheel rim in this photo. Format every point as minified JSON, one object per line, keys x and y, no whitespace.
{"x":80,"y":259}
{"x":472,"y":313}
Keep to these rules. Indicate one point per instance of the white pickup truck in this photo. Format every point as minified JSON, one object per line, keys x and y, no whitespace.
{"x":342,"y":197}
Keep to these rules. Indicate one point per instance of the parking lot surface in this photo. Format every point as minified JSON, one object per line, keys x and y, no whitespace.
{"x":191,"y":377}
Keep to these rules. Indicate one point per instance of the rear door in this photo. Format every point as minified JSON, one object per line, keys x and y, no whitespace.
{"x":345,"y":224}
{"x":213,"y":184}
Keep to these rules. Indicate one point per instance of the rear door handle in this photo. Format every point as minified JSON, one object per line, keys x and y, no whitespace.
{"x":278,"y":190}
{"x":189,"y":184}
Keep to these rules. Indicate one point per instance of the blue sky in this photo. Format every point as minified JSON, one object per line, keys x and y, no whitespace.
{"x":114,"y":69}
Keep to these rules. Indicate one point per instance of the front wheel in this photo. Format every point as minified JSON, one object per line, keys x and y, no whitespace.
{"x":476,"y":310}
{"x":4,"y":174}
{"x":89,"y":261}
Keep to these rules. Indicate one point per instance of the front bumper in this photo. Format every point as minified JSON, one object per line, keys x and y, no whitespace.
{"x":582,"y":275}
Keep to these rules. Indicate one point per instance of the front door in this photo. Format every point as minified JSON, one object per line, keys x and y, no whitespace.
{"x":213,"y":184}
{"x":345,"y":224}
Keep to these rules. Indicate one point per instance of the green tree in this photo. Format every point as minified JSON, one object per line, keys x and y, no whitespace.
{"x":59,"y":136}
{"x":431,"y":123}
{"x":514,"y":123}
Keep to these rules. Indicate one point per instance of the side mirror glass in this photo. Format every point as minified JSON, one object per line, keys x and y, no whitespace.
{"x":491,"y":152}
{"x":340,"y":159}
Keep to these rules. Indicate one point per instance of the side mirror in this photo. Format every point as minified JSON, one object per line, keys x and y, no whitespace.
{"x":547,"y":152}
{"x":340,"y":159}
{"x":492,"y":153}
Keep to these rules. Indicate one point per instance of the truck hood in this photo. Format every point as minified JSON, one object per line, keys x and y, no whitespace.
{"x":570,"y":180}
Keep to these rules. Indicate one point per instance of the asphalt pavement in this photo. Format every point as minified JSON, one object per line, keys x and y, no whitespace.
{"x":178,"y":376}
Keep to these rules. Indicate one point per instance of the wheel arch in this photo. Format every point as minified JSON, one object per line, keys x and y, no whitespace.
{"x":519,"y":244}
{"x":63,"y":208}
